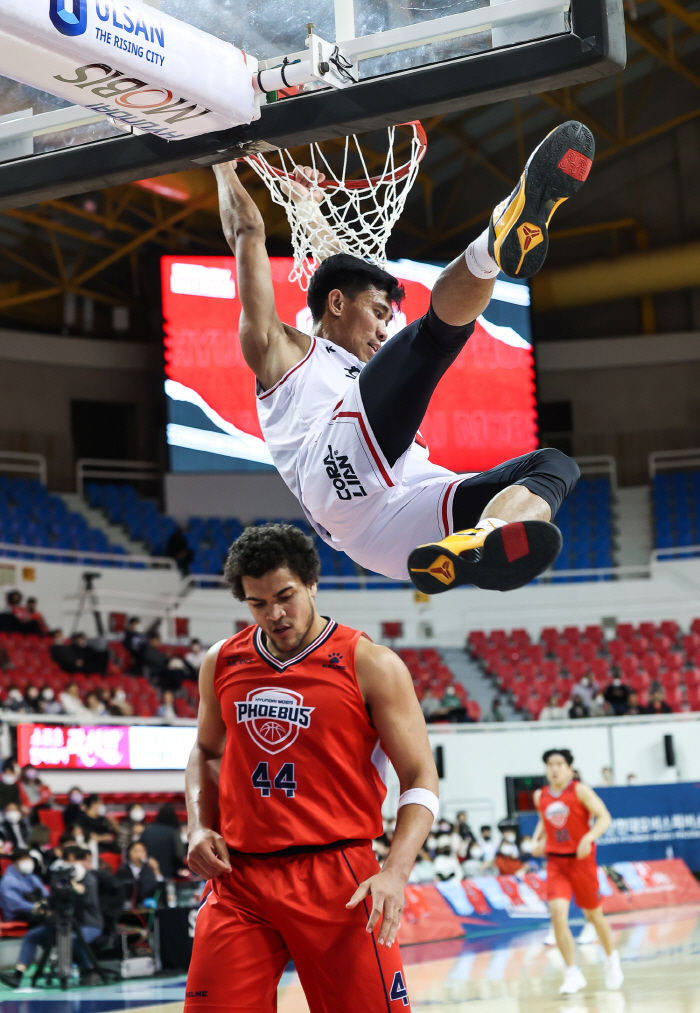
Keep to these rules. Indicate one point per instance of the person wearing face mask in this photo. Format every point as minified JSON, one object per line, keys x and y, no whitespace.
{"x":9,"y":789}
{"x":474,"y":861}
{"x":73,"y":812}
{"x":617,"y":694}
{"x":486,"y":842}
{"x":31,"y":700}
{"x":21,"y":890}
{"x":13,"y":829}
{"x":15,"y":701}
{"x":119,"y":705}
{"x":508,"y":860}
{"x":33,"y":791}
{"x":97,"y":825}
{"x":48,"y":704}
{"x":585,"y":689}
{"x":135,"y":816}
{"x":74,"y":874}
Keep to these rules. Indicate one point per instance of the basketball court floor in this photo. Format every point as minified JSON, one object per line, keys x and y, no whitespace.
{"x":510,"y":973}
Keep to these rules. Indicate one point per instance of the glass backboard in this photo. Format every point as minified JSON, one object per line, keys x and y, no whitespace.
{"x":410,"y":59}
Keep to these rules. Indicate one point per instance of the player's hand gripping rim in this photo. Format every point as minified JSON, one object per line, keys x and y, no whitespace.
{"x":387,"y":893}
{"x":208,"y":854}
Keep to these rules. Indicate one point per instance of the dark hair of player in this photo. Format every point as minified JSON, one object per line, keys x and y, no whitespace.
{"x":352,"y":276}
{"x":267,"y":547}
{"x":566,"y":755}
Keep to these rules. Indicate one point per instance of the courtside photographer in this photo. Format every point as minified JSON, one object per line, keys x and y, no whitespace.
{"x":71,"y":911}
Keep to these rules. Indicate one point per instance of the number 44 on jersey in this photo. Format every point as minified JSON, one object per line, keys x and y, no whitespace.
{"x":284,"y":781}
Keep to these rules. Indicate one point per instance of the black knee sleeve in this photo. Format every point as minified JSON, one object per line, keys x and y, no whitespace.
{"x":552,"y":476}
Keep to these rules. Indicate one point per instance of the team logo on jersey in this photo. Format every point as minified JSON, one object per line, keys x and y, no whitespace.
{"x":342,"y":474}
{"x":273,"y":717}
{"x":557,"y":813}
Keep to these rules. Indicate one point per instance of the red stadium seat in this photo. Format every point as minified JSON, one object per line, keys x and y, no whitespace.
{"x":639,"y":646}
{"x":670,"y":629}
{"x":647,"y":630}
{"x":625,"y":631}
{"x":595,"y":634}
{"x":572,"y":635}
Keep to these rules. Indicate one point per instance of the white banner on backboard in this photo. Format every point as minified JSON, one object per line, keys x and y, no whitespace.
{"x":128,"y":61}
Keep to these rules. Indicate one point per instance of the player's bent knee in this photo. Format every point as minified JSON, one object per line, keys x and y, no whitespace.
{"x":561,"y":466}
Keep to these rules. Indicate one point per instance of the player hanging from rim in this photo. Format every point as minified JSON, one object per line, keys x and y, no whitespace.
{"x":565,"y":835}
{"x":298,"y":718}
{"x":341,"y":411}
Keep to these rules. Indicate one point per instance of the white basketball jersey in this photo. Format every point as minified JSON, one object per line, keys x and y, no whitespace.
{"x":302,"y":402}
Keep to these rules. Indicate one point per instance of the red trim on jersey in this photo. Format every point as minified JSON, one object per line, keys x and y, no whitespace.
{"x":368,"y":441}
{"x":261,"y":397}
{"x":281,"y":666}
{"x":420,"y":440}
{"x":445,"y":500}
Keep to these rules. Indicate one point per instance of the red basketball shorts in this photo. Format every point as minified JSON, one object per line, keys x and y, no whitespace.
{"x":270,"y":909}
{"x":573,"y":876}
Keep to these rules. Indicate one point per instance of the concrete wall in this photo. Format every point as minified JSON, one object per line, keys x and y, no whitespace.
{"x":629,"y":396}
{"x":40,"y":376}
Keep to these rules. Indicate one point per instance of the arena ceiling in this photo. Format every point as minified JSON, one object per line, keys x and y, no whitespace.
{"x":102,"y":248}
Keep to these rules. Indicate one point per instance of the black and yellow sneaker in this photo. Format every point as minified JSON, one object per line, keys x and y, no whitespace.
{"x":555,"y":171}
{"x":498,"y":560}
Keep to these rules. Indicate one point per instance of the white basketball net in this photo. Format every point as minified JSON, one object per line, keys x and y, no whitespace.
{"x":355,"y":215}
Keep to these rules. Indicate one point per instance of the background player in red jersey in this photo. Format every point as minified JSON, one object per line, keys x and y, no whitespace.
{"x":298,"y":720}
{"x":565,"y":835}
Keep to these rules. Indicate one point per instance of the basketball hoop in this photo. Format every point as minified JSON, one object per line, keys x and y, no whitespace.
{"x":354,"y":215}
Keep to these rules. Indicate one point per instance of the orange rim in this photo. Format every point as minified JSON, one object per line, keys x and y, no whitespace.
{"x":356,"y":184}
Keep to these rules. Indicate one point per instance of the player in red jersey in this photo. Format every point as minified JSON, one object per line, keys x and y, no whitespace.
{"x":565,"y":835}
{"x":298,"y":720}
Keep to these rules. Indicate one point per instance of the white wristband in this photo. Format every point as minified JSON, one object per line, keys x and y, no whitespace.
{"x":421,"y":796}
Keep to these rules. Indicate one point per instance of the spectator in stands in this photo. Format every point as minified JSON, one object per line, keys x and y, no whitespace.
{"x":16,"y":618}
{"x":657,"y":704}
{"x":15,"y":701}
{"x":617,"y":694}
{"x":21,"y":890}
{"x":450,"y":701}
{"x":430,"y":705}
{"x":135,"y":643}
{"x":446,"y":865}
{"x":497,"y":710}
{"x":508,"y":860}
{"x":135,"y":817}
{"x":585,"y":689}
{"x":178,"y":548}
{"x":39,"y":844}
{"x":73,"y":811}
{"x":31,"y":700}
{"x":163,"y":842}
{"x":424,"y":869}
{"x":462,"y":827}
{"x":607,"y":778}
{"x":33,"y":615}
{"x":48,"y":703}
{"x":474,"y":861}
{"x":119,"y":705}
{"x":94,"y":704}
{"x":98,"y":825}
{"x":167,"y":705}
{"x":487,"y":843}
{"x":155,"y":661}
{"x":633,"y":706}
{"x":578,"y":709}
{"x":600,"y":707}
{"x":33,"y":791}
{"x":71,"y":702}
{"x":84,"y":657}
{"x":139,"y":876}
{"x":59,"y":652}
{"x":554,"y":711}
{"x":14,"y":830}
{"x":9,"y":788}
{"x":195,"y":656}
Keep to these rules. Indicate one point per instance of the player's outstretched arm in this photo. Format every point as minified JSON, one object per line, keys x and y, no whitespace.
{"x":387,"y":689}
{"x":208,"y":854}
{"x":539,"y":836}
{"x":269,"y":348}
{"x":597,"y":808}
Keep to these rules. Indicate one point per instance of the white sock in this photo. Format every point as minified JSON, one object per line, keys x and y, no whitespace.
{"x":490,"y":524}
{"x":479,"y":260}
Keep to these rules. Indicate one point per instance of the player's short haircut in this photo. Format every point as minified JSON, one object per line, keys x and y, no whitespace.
{"x":266,"y":548}
{"x":351,"y":275}
{"x":565,"y":754}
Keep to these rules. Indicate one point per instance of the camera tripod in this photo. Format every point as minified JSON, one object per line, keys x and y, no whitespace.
{"x":62,"y":925}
